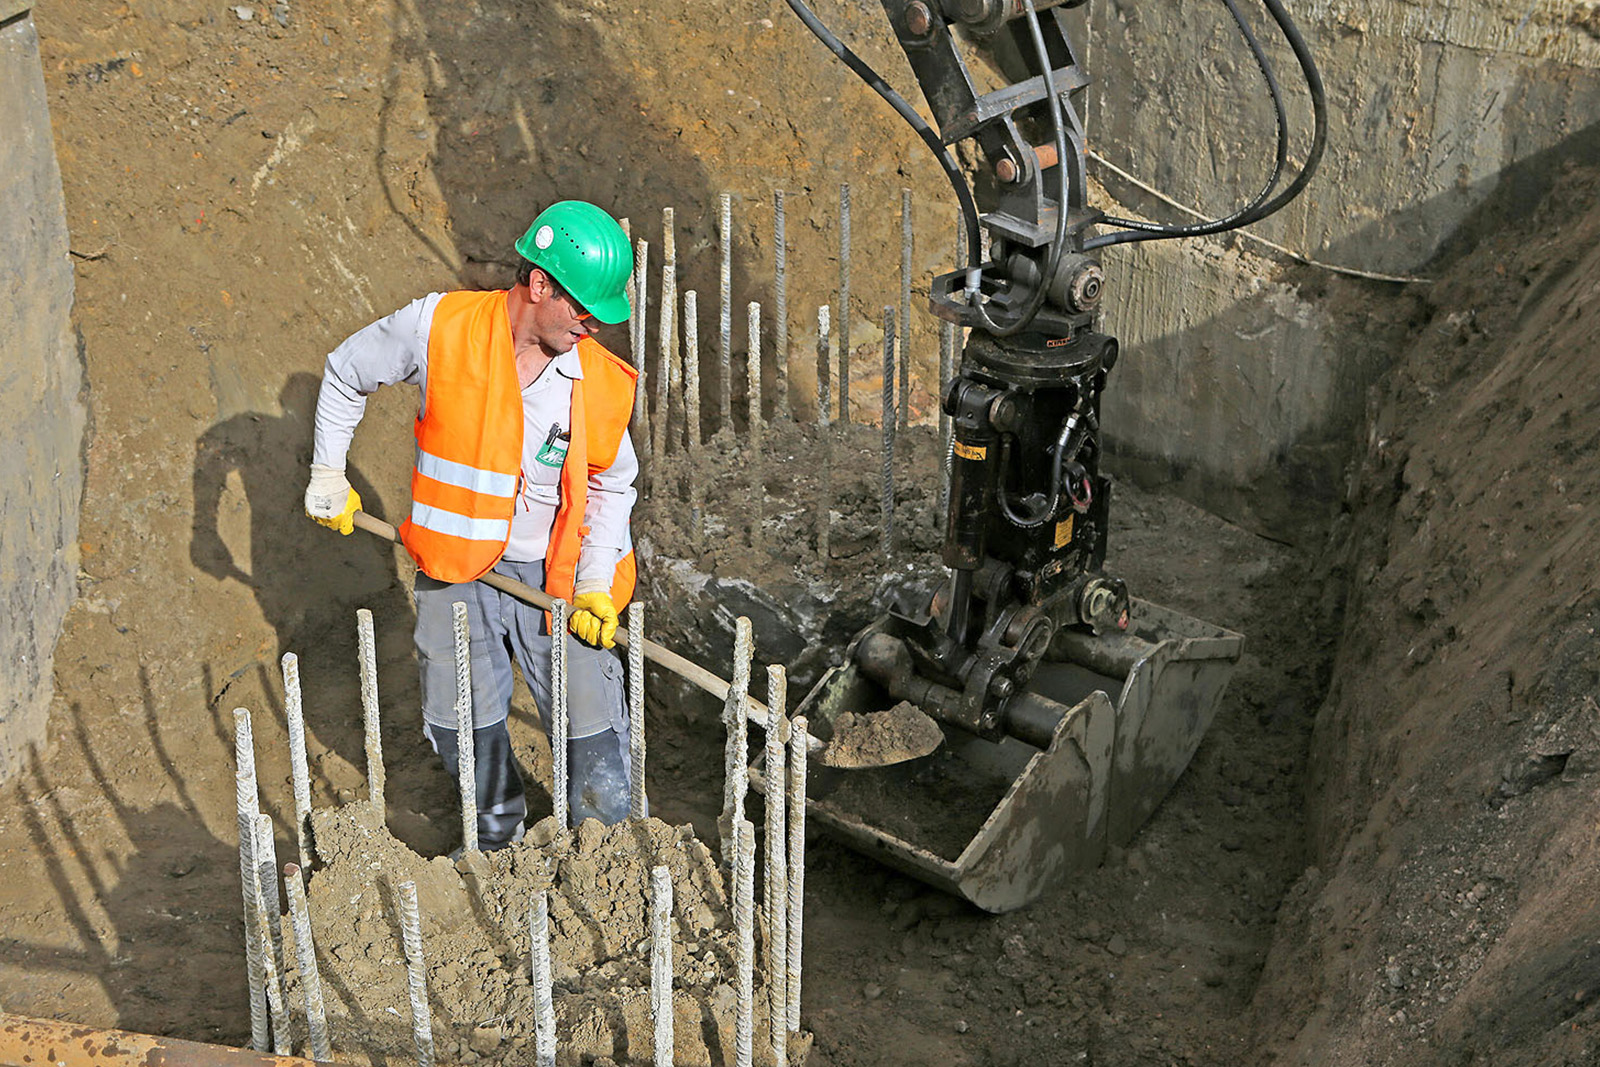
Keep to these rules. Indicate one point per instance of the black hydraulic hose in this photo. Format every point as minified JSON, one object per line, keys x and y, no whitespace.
{"x":1319,"y":139}
{"x":958,"y":181}
{"x":1280,"y":158}
{"x":1050,"y":505}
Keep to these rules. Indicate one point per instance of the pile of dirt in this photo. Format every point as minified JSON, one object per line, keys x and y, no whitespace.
{"x":475,"y":930}
{"x":1447,"y":916}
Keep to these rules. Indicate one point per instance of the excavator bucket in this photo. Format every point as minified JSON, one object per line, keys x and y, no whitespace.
{"x":1113,"y":722}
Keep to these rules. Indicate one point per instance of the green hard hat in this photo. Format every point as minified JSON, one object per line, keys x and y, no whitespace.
{"x":584,"y":249}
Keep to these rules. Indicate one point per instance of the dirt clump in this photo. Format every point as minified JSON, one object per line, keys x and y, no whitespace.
{"x":877,"y":738}
{"x":475,"y":916}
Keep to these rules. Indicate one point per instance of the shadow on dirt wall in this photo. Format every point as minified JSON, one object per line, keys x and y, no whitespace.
{"x":1301,"y":483}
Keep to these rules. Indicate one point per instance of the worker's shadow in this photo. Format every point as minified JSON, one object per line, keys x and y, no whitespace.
{"x":250,"y":526}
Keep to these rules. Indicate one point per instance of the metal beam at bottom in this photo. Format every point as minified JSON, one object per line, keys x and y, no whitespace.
{"x":28,"y":1042}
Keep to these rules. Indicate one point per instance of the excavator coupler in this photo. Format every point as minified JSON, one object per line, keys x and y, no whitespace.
{"x":1091,"y":745}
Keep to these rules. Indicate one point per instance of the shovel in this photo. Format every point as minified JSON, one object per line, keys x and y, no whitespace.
{"x":857,"y":745}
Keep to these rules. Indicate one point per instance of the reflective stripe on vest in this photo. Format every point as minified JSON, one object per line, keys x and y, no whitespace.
{"x":489,"y":483}
{"x":455,"y":525}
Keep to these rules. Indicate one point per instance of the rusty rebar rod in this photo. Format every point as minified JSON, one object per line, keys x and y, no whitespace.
{"x":844,"y":303}
{"x":372,"y":722}
{"x":305,"y":952}
{"x":247,"y":803}
{"x":638,"y":804}
{"x":780,"y":326}
{"x":299,"y":766}
{"x":725,"y":318}
{"x":905,"y":308}
{"x":667,"y":348}
{"x":466,"y":758}
{"x":888,"y":431}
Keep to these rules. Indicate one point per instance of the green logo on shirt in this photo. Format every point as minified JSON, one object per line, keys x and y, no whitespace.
{"x":553,"y":453}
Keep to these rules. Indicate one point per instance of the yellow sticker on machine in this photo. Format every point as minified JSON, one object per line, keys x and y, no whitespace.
{"x":966,"y":451}
{"x":1064,"y":532}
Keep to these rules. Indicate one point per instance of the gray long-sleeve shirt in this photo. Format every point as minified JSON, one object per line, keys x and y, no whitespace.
{"x":395,"y":349}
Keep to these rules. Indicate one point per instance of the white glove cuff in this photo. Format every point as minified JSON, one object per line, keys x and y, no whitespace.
{"x":592,"y":585}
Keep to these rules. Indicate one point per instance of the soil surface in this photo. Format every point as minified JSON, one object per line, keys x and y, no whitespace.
{"x":1381,"y":856}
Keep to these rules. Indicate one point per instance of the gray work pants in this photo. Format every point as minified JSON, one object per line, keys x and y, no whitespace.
{"x":502,"y":629}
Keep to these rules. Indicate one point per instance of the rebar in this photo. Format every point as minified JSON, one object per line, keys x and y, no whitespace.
{"x":780,"y":327}
{"x":844,"y":303}
{"x":744,"y":878}
{"x":416,"y":973}
{"x":305,"y":951}
{"x":725,"y":319}
{"x":638,"y":292}
{"x":825,"y":485}
{"x":691,"y":409}
{"x":367,"y":646}
{"x":824,"y":393}
{"x":269,"y":938}
{"x":272,"y":906}
{"x":661,"y":963}
{"x":246,"y":804}
{"x":947,"y":365}
{"x":638,"y":805}
{"x":888,"y":431}
{"x":797,"y":865}
{"x":905,"y":308}
{"x":776,"y":873}
{"x":299,"y":766}
{"x":558,"y":711}
{"x":757,"y":494}
{"x":737,"y":757}
{"x":667,"y":350}
{"x":544,"y":1011}
{"x":466,"y":762}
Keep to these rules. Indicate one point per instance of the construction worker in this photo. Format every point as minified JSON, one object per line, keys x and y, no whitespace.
{"x":524,"y":467}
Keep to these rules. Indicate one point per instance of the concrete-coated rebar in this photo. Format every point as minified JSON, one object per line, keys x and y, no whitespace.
{"x":780,"y":310}
{"x":661,"y":963}
{"x":824,"y":378}
{"x":757,"y":493}
{"x":638,"y":292}
{"x":725,"y":319}
{"x":638,"y":806}
{"x":544,"y":1010}
{"x":744,"y":924}
{"x":299,"y":766}
{"x":266,"y":846}
{"x":905,"y":307}
{"x":246,"y":806}
{"x":844,"y":303}
{"x":776,"y":872}
{"x":305,"y":952}
{"x":797,"y":865}
{"x":367,"y":646}
{"x":888,"y":431}
{"x":736,"y":762}
{"x":558,"y":710}
{"x":416,"y":973}
{"x":269,"y":935}
{"x":667,"y":380}
{"x":691,"y":409}
{"x":466,"y":763}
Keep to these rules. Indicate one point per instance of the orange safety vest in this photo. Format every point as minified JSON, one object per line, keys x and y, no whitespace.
{"x":469,"y":448}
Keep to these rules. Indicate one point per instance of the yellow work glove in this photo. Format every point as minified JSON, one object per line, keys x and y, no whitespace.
{"x":594,"y":619}
{"x":330,"y":500}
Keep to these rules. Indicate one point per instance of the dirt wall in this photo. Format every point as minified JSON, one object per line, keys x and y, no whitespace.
{"x":40,"y":468}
